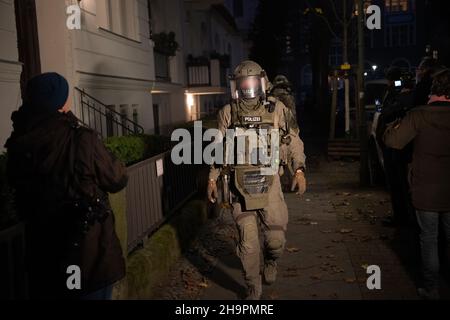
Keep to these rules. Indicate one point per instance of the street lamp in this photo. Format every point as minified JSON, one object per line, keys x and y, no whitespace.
{"x":374,"y":67}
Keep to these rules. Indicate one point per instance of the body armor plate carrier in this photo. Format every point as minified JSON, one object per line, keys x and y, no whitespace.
{"x":251,"y":181}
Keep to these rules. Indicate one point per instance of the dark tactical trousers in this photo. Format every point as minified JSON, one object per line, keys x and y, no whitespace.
{"x":272,"y":221}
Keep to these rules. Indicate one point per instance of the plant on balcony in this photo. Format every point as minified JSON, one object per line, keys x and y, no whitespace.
{"x":225,"y":59}
{"x":165,"y":43}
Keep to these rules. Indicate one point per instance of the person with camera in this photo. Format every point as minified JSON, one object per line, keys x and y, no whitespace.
{"x":398,"y":99}
{"x":62,"y":174}
{"x":428,"y":128}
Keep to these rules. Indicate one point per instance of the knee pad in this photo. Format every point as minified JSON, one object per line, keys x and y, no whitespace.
{"x":275,"y":242}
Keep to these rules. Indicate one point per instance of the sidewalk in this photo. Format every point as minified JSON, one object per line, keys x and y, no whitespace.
{"x":334,"y":234}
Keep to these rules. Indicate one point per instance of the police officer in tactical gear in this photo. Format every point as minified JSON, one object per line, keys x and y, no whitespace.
{"x":256,"y":197}
{"x":282,"y":90}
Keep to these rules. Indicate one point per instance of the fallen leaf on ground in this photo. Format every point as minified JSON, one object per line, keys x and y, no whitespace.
{"x":366,"y":239}
{"x":292,"y":249}
{"x":350,"y":280}
{"x":316,"y":277}
{"x":335,"y":270}
{"x":273,"y":295}
{"x":346,"y":231}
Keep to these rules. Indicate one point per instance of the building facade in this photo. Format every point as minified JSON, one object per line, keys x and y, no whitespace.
{"x":110,"y":62}
{"x":214,"y":46}
{"x":10,"y":69}
{"x":401,"y":41}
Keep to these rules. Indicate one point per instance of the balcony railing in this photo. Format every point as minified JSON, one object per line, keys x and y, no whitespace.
{"x":206,"y":74}
{"x":104,"y":120}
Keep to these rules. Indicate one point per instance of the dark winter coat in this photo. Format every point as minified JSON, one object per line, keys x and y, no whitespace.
{"x":429,"y":129}
{"x":51,"y":162}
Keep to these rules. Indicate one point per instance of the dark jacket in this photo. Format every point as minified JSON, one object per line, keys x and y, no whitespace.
{"x":429,"y":129}
{"x":51,"y":162}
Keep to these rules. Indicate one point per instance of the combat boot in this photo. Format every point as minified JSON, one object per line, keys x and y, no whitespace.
{"x":254,"y":290}
{"x":270,"y":272}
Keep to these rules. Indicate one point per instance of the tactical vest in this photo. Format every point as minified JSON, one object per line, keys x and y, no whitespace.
{"x":253,"y":180}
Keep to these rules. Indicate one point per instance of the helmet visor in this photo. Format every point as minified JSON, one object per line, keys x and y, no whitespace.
{"x":249,"y":87}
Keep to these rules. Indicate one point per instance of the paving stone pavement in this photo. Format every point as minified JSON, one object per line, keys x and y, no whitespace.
{"x":335,"y":233}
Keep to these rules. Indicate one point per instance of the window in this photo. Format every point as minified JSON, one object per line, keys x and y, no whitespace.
{"x":217,"y":42}
{"x":396,"y":5}
{"x":119,"y":17}
{"x":150,"y":18}
{"x":307,"y":76}
{"x":367,"y":4}
{"x":203,"y":32}
{"x":335,"y":57}
{"x":124,"y":116}
{"x":238,"y":8}
{"x":136,"y":117}
{"x":188,"y":16}
{"x":401,"y":35}
{"x":110,"y":120}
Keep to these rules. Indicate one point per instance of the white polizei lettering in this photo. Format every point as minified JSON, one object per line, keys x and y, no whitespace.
{"x":241,"y":147}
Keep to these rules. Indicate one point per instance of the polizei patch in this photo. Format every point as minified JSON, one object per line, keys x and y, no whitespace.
{"x":251,"y":119}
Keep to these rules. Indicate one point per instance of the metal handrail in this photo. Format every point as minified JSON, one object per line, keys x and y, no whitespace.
{"x":107,"y":115}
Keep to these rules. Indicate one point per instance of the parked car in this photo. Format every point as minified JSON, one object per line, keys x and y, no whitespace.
{"x":375,"y":91}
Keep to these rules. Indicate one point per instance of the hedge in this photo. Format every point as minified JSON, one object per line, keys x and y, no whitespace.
{"x":129,"y":149}
{"x":133,"y":149}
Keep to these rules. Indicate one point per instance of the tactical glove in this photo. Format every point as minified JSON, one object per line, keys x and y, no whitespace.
{"x":212,"y":191}
{"x":300,"y":181}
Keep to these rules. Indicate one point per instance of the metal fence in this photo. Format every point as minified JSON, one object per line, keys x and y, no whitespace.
{"x":103,"y":119}
{"x":156,"y":189}
{"x":13,"y":278}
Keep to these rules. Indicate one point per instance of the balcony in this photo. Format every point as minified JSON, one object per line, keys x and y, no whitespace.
{"x":207,"y":73}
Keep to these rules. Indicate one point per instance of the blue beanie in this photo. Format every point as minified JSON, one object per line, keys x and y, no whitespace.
{"x":46,"y":93}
